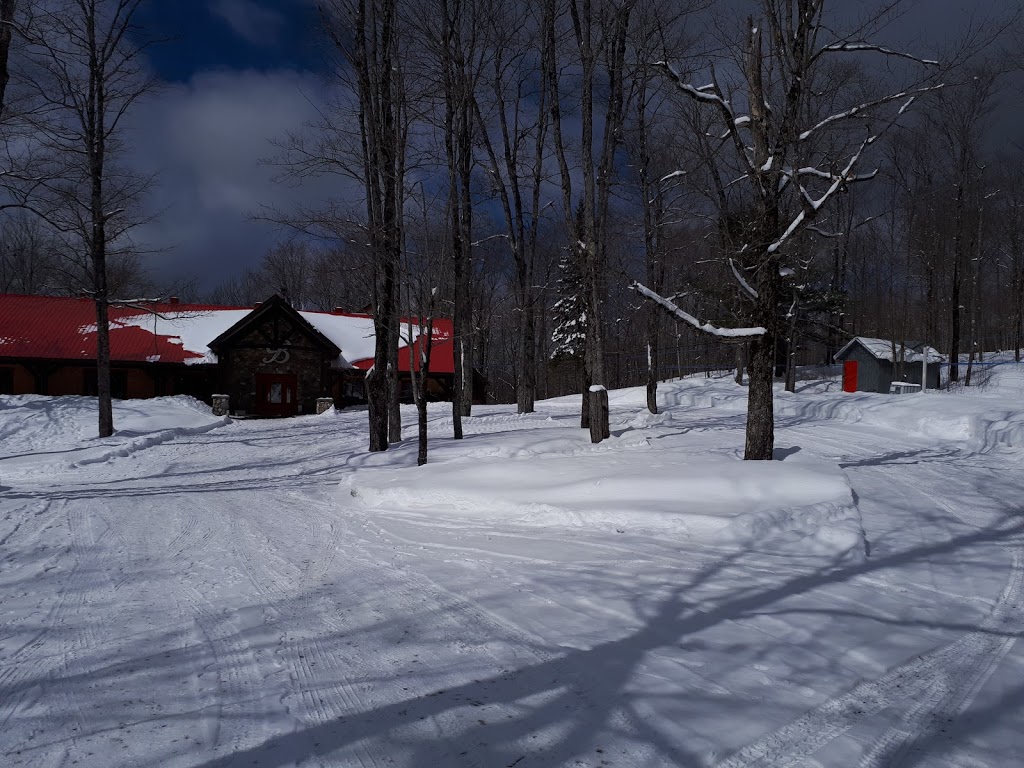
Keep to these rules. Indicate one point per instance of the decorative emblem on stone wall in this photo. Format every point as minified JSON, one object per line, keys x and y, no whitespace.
{"x":280,"y":356}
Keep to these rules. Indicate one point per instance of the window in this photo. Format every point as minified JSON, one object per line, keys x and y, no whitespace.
{"x":6,"y":381}
{"x":118,"y":384}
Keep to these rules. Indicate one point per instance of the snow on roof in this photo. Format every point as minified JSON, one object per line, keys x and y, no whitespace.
{"x":192,"y":329}
{"x":353,"y":334}
{"x":60,"y":327}
{"x":882,"y":349}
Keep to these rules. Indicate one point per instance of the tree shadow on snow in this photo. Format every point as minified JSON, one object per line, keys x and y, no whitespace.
{"x":574,"y":699}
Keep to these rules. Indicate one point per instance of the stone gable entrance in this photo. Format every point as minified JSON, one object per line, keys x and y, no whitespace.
{"x":274,"y":363}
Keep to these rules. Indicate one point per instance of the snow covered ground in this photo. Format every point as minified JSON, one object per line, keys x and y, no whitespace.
{"x":201,"y":593}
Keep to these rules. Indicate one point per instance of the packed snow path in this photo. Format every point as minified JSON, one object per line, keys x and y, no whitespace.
{"x":217,"y":598}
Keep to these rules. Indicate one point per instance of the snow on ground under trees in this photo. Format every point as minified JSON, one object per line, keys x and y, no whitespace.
{"x":198,"y":592}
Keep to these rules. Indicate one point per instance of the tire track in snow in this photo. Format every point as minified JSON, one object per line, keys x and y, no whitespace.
{"x":323,"y":687}
{"x":241,"y":719}
{"x":62,"y":703}
{"x":324,"y":702}
{"x":959,"y":683}
{"x":942,"y":683}
{"x":789,"y":745}
{"x":21,"y":663}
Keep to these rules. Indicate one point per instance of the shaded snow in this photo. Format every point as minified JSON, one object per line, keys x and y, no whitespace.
{"x":220,"y":598}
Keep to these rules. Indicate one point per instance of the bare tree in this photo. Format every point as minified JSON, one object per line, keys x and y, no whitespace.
{"x":287,"y":268}
{"x":592,"y":37}
{"x":516,"y":173}
{"x":426,"y":266}
{"x":366,"y":33}
{"x":959,"y":116}
{"x":29,"y":256}
{"x":460,"y":66}
{"x":7,"y":27}
{"x":88,"y":77}
{"x":792,"y":155}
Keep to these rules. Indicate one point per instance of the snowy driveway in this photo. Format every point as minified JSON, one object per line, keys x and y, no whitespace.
{"x":219,"y":599}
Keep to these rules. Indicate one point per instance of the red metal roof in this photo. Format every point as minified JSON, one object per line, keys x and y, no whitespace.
{"x":442,"y":349}
{"x":64,"y":328}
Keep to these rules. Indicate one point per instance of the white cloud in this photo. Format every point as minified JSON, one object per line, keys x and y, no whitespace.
{"x":250,"y":20}
{"x":206,"y":140}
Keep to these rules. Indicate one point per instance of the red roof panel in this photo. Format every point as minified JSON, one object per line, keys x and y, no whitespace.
{"x":64,"y":328}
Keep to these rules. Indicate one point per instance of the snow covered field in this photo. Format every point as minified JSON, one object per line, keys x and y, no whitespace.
{"x":200,"y":593}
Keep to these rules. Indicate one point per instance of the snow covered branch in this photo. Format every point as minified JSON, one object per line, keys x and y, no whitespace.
{"x":854,"y":111}
{"x":871,"y":48}
{"x":743,"y":283}
{"x":712,"y":94}
{"x":812,"y":206}
{"x":822,"y":233}
{"x":686,"y":317}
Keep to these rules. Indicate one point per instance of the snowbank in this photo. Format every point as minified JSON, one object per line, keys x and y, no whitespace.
{"x":986,"y":416}
{"x":47,"y":434}
{"x":558,"y":479}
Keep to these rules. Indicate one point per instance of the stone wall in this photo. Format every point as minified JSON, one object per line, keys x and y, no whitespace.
{"x":259,"y":352}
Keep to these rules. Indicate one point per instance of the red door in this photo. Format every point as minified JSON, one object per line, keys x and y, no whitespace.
{"x":850,"y":376}
{"x":276,"y":394}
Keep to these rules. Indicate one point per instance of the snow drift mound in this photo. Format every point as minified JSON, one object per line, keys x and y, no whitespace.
{"x":717,"y":501}
{"x":984,"y":418}
{"x":44,"y":434}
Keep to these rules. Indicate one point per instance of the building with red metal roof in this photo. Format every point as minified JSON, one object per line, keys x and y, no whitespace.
{"x":254,"y":354}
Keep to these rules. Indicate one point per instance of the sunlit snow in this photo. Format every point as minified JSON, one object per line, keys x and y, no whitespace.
{"x":200,"y":593}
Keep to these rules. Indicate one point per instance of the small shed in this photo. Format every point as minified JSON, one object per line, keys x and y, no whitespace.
{"x":872,"y":365}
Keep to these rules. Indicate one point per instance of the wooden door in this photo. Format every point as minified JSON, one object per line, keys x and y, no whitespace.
{"x":277,"y":394}
{"x":850,"y":376}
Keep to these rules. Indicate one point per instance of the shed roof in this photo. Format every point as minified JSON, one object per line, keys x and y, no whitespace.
{"x":64,"y":328}
{"x":882,"y":349}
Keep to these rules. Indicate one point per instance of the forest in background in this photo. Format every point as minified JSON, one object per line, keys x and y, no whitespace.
{"x":524,"y":166}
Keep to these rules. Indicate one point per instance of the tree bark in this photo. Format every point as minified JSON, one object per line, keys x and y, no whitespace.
{"x":7,"y":8}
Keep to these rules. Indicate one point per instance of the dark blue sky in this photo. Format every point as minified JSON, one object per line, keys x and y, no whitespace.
{"x":243,"y":74}
{"x":209,"y":35}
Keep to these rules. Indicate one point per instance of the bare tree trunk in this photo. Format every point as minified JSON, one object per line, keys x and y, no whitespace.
{"x":1018,"y":313}
{"x":96,"y":151}
{"x":760,"y":438}
{"x":373,"y":55}
{"x":760,"y":435}
{"x":419,"y":381}
{"x":585,"y":395}
{"x":972,"y":325}
{"x":652,"y":374}
{"x":600,"y":37}
{"x":955,"y":309}
{"x":394,"y":385}
{"x":460,"y":117}
{"x":106,"y":408}
{"x":791,"y":341}
{"x":7,"y":8}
